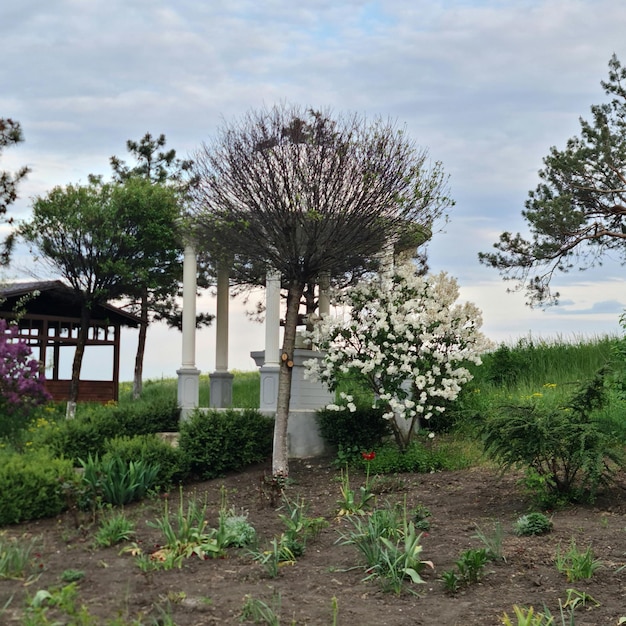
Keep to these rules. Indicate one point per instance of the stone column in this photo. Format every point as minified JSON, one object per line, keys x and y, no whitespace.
{"x":188,"y":374}
{"x":324,"y":295}
{"x":221,"y":379}
{"x":269,"y":359}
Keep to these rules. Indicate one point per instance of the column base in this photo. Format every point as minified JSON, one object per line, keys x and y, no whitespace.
{"x":221,"y":390}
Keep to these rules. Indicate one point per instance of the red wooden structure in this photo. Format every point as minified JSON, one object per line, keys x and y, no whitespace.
{"x":48,"y":314}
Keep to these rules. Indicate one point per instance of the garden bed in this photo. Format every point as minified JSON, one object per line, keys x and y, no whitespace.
{"x":213,"y":591}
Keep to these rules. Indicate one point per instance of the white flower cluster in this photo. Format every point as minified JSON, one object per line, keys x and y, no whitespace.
{"x":406,"y":338}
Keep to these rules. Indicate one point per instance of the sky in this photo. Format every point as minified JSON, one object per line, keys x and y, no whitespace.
{"x":486,"y":86}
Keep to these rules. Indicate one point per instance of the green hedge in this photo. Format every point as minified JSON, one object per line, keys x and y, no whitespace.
{"x":216,"y":442}
{"x":361,"y":430}
{"x":30,"y":486}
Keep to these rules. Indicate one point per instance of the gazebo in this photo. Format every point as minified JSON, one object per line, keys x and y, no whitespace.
{"x":48,"y":320}
{"x":306,"y":395}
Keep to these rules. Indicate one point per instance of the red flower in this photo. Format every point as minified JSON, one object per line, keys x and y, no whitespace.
{"x":368,"y":456}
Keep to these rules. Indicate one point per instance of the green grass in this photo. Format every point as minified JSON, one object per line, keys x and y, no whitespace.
{"x":246,"y":390}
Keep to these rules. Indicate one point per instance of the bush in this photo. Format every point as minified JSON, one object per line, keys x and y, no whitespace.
{"x":30,"y":486}
{"x":152,"y":450}
{"x":417,"y":458}
{"x":532,"y":524}
{"x":216,"y":442}
{"x":363,"y":429}
{"x":568,"y":451}
{"x":89,"y":431}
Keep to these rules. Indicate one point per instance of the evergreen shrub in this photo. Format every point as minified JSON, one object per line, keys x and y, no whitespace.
{"x":215,"y":442}
{"x":30,"y":485}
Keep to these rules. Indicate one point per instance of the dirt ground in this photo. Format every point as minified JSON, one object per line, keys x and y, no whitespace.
{"x":213,"y":591}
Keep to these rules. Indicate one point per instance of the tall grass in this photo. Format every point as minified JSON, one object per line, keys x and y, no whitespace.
{"x":246,"y":390}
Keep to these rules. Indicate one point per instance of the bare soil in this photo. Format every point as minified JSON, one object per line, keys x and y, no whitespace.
{"x":213,"y":591}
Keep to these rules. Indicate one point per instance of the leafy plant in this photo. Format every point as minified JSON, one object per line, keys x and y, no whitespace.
{"x":299,"y":527}
{"x":527,"y":617}
{"x":532,"y":524}
{"x":469,"y":569}
{"x":576,"y":565}
{"x":492,"y":542}
{"x":16,"y":555}
{"x":72,"y":575}
{"x":389,"y":545}
{"x":561,"y":442}
{"x":353,"y":502}
{"x":261,"y":612}
{"x":420,"y":517}
{"x":115,"y":528}
{"x":116,"y":481}
{"x":274,"y":557}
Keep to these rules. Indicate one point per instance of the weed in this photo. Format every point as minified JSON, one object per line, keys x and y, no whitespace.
{"x":471,"y":565}
{"x":261,"y":612}
{"x":72,"y":575}
{"x":527,"y":617}
{"x":275,"y":557}
{"x":349,"y":504}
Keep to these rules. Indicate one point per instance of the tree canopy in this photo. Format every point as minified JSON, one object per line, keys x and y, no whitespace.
{"x":577,"y":213}
{"x":303,"y":192}
{"x":102,"y":238}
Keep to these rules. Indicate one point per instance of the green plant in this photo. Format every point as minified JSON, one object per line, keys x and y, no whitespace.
{"x":350,"y":504}
{"x":234,"y":529}
{"x":72,"y":575}
{"x":116,"y":481}
{"x":215,"y":442}
{"x":260,"y":612}
{"x":16,"y":555}
{"x":389,"y":545}
{"x":471,"y":565}
{"x":274,"y":557}
{"x":185,"y":534}
{"x":527,"y":617}
{"x":114,"y":528}
{"x":532,"y":524}
{"x":451,"y":581}
{"x":30,"y":485}
{"x":576,"y":565}
{"x":352,"y":432}
{"x":420,"y":517}
{"x":153,"y":451}
{"x":299,"y":527}
{"x":562,"y":442}
{"x":492,"y":542}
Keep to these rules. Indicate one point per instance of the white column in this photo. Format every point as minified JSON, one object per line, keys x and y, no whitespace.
{"x":221,"y":379}
{"x":188,"y":374}
{"x":189,"y":307}
{"x":272,"y":318}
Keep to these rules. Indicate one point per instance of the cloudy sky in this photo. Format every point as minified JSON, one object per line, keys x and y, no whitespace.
{"x":486,"y":85}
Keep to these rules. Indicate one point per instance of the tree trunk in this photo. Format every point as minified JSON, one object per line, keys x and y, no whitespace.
{"x":280,"y":456}
{"x":83,"y":333}
{"x":141,"y":347}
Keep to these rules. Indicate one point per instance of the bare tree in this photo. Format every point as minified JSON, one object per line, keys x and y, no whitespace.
{"x":304,"y":193}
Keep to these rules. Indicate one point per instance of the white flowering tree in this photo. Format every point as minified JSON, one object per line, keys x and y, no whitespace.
{"x":407,"y":339}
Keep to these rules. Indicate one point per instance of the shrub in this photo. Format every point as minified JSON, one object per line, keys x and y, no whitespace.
{"x":30,"y":486}
{"x":215,"y":442}
{"x":532,"y":524}
{"x":89,"y":431}
{"x":417,"y":457}
{"x":563,"y":445}
{"x":154,"y":451}
{"x":361,"y":430}
{"x":21,"y":381}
